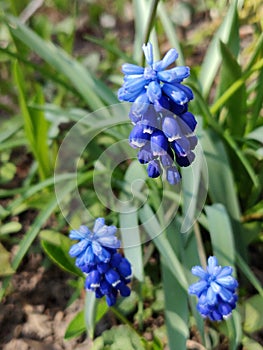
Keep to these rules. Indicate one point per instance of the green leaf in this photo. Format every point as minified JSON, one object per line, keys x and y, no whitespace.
{"x":7,"y":172}
{"x":40,"y":127}
{"x":154,"y":230}
{"x":127,"y":305}
{"x":194,"y":185}
{"x":57,"y":246}
{"x":121,"y":337}
{"x":221,"y":234}
{"x":251,"y":344}
{"x":258,"y":101}
{"x":234,"y":329}
{"x":12,"y":143}
{"x":76,"y":327}
{"x":94,"y":310}
{"x":130,"y":232}
{"x":176,"y":309}
{"x":36,"y":226}
{"x":221,"y":182}
{"x":243,"y":266}
{"x":35,"y":125}
{"x":186,"y":247}
{"x":227,"y":33}
{"x":109,"y":47}
{"x":142,"y":12}
{"x":90,"y":312}
{"x":256,"y":134}
{"x":253,"y":314}
{"x":235,"y":86}
{"x":5,"y":266}
{"x":10,"y":227}
{"x":7,"y":132}
{"x":101,"y":309}
{"x":236,"y":105}
{"x":92,"y":90}
{"x":241,"y":156}
{"x":170,"y":30}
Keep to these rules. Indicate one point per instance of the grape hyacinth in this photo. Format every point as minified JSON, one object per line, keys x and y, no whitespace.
{"x":163,"y":128}
{"x":216,"y":290}
{"x":107,"y":271}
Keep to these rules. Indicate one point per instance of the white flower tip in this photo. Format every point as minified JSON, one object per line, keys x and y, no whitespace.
{"x":114,"y":284}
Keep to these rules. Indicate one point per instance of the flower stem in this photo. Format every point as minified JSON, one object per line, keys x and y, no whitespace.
{"x":149,"y":25}
{"x":200,"y":247}
{"x":140,"y":307}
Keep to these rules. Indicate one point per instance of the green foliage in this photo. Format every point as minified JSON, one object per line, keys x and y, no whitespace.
{"x":253,"y":314}
{"x":35,"y":125}
{"x":77,"y":326}
{"x":49,"y":84}
{"x":118,"y":338}
{"x":56,"y":246}
{"x":6,"y":268}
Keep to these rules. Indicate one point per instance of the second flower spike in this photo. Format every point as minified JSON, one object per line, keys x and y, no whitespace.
{"x":107,"y":271}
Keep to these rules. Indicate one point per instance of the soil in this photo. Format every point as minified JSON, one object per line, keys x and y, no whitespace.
{"x":35,"y":314}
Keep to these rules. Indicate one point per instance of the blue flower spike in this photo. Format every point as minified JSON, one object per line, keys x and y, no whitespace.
{"x":154,"y":81}
{"x":107,"y":271}
{"x":216,"y":290}
{"x":163,"y":129}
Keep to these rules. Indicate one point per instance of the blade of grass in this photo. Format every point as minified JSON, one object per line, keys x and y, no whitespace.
{"x":257,"y":50}
{"x":257,"y":105}
{"x":244,"y":161}
{"x":221,"y":234}
{"x":151,"y":20}
{"x":7,"y":132}
{"x":170,"y":32}
{"x":228,"y":33}
{"x":236,"y":106}
{"x":154,"y":230}
{"x":244,"y":267}
{"x":221,"y":183}
{"x":28,"y":240}
{"x":142,"y":10}
{"x":32,"y":233}
{"x":13,"y":143}
{"x":33,"y":128}
{"x":194,"y":185}
{"x":90,"y":312}
{"x":45,"y":72}
{"x":128,"y":216}
{"x":186,"y":247}
{"x":92,"y":90}
{"x":109,"y":48}
{"x":41,"y":126}
{"x":176,"y":309}
{"x":234,"y":329}
{"x":220,"y":102}
{"x":131,"y":240}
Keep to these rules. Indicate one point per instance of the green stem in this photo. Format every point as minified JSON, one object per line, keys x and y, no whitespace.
{"x":200,"y":246}
{"x":140,"y":308}
{"x":149,"y":25}
{"x":151,"y":20}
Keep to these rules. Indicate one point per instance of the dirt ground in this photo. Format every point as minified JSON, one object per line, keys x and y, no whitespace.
{"x":35,"y":315}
